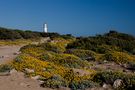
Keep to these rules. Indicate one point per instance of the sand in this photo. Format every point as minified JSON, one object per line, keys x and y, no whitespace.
{"x":16,"y":80}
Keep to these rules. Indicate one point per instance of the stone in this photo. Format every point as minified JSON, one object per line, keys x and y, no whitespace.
{"x":106,"y":86}
{"x":118,"y":83}
{"x":29,"y":70}
{"x":13,"y":71}
{"x":105,"y":61}
{"x":36,"y":77}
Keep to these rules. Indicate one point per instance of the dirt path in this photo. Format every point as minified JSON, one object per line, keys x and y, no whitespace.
{"x":16,"y":80}
{"x":8,"y":53}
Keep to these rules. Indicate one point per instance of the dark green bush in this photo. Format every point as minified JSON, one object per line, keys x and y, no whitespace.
{"x":94,"y":43}
{"x":12,"y":34}
{"x":4,"y":68}
{"x":109,"y":77}
{"x":83,"y":85}
{"x":52,"y":47}
{"x":55,"y":81}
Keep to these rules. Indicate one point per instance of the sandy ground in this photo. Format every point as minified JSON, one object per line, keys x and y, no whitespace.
{"x":15,"y":81}
{"x":8,"y":53}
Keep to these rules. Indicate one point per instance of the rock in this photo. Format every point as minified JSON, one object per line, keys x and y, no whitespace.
{"x":41,"y":81}
{"x":36,"y":77}
{"x":24,"y":84}
{"x":13,"y":71}
{"x":29,"y":70}
{"x":105,"y":61}
{"x":89,"y":58}
{"x":118,"y":83}
{"x":106,"y":86}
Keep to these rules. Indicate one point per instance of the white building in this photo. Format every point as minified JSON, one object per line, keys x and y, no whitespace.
{"x":45,"y":28}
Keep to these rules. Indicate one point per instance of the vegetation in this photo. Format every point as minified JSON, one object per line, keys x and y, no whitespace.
{"x":109,"y":77}
{"x":118,"y":57}
{"x":116,"y":41}
{"x":5,"y":68}
{"x":83,"y":54}
{"x":66,"y":61}
{"x":13,"y":34}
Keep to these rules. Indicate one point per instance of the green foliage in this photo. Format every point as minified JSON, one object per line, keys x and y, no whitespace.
{"x":61,"y":60}
{"x":118,"y":35}
{"x":9,"y":34}
{"x":17,"y":34}
{"x":4,"y":68}
{"x":83,"y":54}
{"x":27,"y":46}
{"x":66,"y":60}
{"x":67,"y":36}
{"x":12,"y":34}
{"x":53,"y":47}
{"x":109,"y":77}
{"x":96,"y":43}
{"x":55,"y":81}
{"x":83,"y":85}
{"x":118,"y":57}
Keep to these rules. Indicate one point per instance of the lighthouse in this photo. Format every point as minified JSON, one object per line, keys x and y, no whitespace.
{"x":45,"y":28}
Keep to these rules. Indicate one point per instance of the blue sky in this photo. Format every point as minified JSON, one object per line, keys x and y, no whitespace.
{"x":78,"y":17}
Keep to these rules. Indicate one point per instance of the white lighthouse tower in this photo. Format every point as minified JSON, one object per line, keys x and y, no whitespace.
{"x":45,"y":28}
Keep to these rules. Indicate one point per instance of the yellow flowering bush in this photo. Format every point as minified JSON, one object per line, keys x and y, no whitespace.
{"x":83,"y":54}
{"x":118,"y":57}
{"x":43,"y":68}
{"x":66,"y":60}
{"x":15,"y":42}
{"x":32,"y":50}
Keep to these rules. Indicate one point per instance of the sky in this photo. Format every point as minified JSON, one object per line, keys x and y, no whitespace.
{"x":77,"y":17}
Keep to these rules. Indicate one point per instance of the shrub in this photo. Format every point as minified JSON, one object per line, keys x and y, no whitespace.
{"x":95,"y":42}
{"x":83,"y":54}
{"x":55,"y":81}
{"x":118,"y":57}
{"x":83,"y":85}
{"x":32,"y":50}
{"x":4,"y":68}
{"x":27,"y":46}
{"x":43,"y":68}
{"x":53,"y":47}
{"x":109,"y":77}
{"x":65,"y":60}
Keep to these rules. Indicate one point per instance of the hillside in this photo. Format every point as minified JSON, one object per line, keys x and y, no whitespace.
{"x":13,"y":34}
{"x":96,"y":62}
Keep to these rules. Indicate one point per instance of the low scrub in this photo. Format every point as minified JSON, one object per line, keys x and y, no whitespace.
{"x":83,"y":54}
{"x":55,"y":81}
{"x":118,"y":57}
{"x":42,"y":68}
{"x":5,"y":68}
{"x":109,"y":77}
{"x":83,"y":85}
{"x":58,"y":48}
{"x":66,"y":60}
